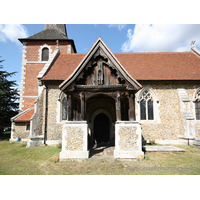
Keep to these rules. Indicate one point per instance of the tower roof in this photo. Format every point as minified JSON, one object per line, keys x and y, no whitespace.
{"x":50,"y":32}
{"x":59,"y":27}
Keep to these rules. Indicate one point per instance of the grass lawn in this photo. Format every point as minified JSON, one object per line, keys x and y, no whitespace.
{"x":15,"y":158}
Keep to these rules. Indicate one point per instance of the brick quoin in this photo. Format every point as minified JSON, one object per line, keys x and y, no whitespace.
{"x":32,"y":70}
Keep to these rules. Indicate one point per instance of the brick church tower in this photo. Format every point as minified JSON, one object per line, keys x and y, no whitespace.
{"x":38,"y":51}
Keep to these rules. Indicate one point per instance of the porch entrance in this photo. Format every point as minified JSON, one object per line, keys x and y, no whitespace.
{"x":101,"y":129}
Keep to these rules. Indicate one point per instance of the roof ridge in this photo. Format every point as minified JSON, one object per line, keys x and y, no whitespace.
{"x":70,"y":54}
{"x":152,"y":52}
{"x":195,"y":50}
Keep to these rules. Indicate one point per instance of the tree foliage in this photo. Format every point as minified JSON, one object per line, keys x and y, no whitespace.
{"x":8,"y":97}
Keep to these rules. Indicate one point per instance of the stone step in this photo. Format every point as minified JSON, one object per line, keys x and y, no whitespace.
{"x":162,"y":148}
{"x":196,"y":142}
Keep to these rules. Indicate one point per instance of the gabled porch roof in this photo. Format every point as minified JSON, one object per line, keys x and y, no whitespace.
{"x":100,"y":46}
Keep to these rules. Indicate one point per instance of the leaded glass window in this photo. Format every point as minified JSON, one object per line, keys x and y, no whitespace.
{"x":64,"y":109}
{"x":150,"y":109}
{"x":197,"y":105}
{"x":45,"y":54}
{"x":146,"y":106}
{"x":143,"y":110}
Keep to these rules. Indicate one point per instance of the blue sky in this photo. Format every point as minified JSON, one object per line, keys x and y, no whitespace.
{"x":84,"y":35}
{"x":118,"y":37}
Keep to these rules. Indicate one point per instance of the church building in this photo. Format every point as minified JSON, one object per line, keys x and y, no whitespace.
{"x":101,"y":97}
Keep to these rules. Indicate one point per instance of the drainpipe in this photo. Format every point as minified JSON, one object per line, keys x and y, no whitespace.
{"x":46,"y":113}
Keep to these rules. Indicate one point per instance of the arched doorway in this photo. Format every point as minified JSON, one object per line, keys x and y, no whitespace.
{"x":96,"y":105}
{"x":101,"y":129}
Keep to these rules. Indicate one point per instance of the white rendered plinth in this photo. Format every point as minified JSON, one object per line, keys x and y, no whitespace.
{"x":128,"y":141}
{"x":74,"y":140}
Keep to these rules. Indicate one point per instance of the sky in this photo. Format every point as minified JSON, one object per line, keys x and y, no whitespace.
{"x":118,"y":37}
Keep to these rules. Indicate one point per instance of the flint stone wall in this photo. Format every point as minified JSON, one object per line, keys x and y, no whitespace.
{"x":38,"y":118}
{"x":128,"y":141}
{"x":168,"y":123}
{"x":74,"y":138}
{"x":20,"y":130}
{"x":128,"y":138}
{"x":54,"y":129}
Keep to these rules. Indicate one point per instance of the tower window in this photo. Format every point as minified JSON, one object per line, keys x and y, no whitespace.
{"x":28,"y":127}
{"x":45,"y":54}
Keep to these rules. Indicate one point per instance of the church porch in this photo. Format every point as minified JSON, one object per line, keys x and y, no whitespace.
{"x":100,"y":131}
{"x":101,"y":95}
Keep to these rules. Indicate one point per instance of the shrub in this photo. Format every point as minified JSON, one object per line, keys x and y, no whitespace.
{"x":59,"y":145}
{"x":152,"y":142}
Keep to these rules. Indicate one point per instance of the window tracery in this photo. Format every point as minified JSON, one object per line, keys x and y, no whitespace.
{"x":146,"y":106}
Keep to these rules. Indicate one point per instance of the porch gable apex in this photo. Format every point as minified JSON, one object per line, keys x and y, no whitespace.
{"x":100,"y":50}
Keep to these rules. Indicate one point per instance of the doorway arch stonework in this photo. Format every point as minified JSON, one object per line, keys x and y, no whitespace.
{"x":111,"y":124}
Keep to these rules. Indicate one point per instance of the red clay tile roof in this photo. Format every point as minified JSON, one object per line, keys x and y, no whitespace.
{"x":141,"y":66}
{"x":25,"y":117}
{"x":64,"y":66}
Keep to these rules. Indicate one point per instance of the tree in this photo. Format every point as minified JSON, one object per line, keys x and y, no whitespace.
{"x":8,"y":97}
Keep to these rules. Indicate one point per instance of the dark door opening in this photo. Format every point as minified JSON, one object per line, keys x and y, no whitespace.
{"x":101,"y":129}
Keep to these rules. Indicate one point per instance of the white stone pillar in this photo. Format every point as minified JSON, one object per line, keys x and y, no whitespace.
{"x":128,"y":140}
{"x":74,"y":140}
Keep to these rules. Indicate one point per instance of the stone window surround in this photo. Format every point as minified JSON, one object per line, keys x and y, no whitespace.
{"x":59,"y":108}
{"x":45,"y":54}
{"x":40,"y":52}
{"x":146,"y":98}
{"x":156,"y":105}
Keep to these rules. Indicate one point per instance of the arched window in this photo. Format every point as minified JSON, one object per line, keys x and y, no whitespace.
{"x":28,"y":127}
{"x":45,"y":54}
{"x":197,"y":104}
{"x":64,"y":109}
{"x":146,"y":106}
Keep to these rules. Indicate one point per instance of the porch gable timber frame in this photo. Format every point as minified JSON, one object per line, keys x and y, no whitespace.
{"x":117,"y":83}
{"x":99,"y":48}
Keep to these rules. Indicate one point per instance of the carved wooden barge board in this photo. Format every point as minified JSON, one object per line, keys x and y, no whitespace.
{"x":106,"y":59}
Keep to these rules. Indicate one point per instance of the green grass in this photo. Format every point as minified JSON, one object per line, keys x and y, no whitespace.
{"x":5,"y":135}
{"x":7,"y":132}
{"x":15,"y":158}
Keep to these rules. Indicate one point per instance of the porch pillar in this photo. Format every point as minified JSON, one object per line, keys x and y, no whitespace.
{"x":118,"y":106}
{"x":83,"y":106}
{"x":69,"y":107}
{"x":131,"y":111}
